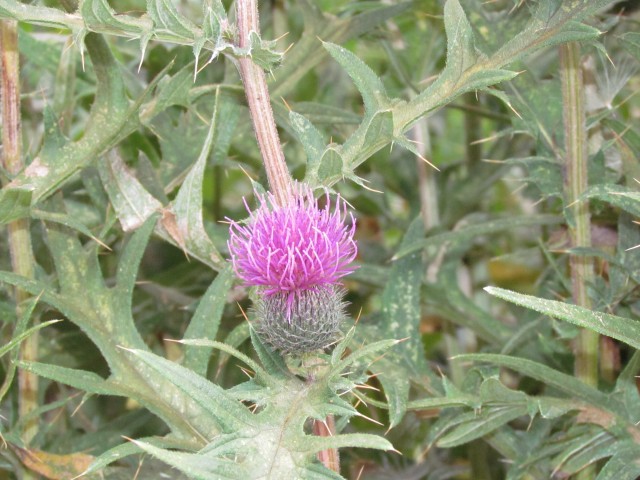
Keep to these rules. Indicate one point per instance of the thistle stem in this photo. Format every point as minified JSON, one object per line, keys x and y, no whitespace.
{"x":264,"y":125}
{"x":586,"y":366}
{"x":20,"y":249}
{"x":329,"y":458}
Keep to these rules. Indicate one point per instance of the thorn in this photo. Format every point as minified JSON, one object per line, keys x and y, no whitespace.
{"x":285,"y":103}
{"x":246,"y":173}
{"x":371,"y":189}
{"x":243,"y":313}
{"x":632,"y":248}
{"x":370,"y":419}
{"x":421,"y":157}
{"x":246,"y":371}
{"x":360,"y":472}
{"x":365,"y":386}
{"x":490,"y":160}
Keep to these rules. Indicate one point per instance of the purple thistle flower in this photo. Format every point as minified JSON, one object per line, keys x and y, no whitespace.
{"x":295,"y":247}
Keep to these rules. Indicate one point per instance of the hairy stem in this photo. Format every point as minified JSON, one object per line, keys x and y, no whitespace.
{"x":257,"y":93}
{"x":20,"y":249}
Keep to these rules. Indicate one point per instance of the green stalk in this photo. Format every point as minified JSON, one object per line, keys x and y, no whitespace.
{"x":578,"y":216}
{"x":20,"y":249}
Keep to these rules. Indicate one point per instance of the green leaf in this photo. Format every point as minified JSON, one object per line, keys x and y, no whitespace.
{"x":624,"y":465}
{"x":80,"y":379}
{"x":631,"y":43}
{"x":619,"y":196}
{"x":131,"y":201}
{"x":620,"y":328}
{"x":311,"y":140}
{"x":401,"y":319}
{"x":196,"y":466}
{"x":99,"y":17}
{"x":223,"y":347}
{"x":473,"y":425}
{"x":461,"y":51}
{"x":187,"y":205}
{"x":563,"y":382}
{"x":315,"y":444}
{"x":270,"y":359}
{"x":367,"y":82}
{"x":15,"y":341}
{"x":380,"y":126}
{"x":167,"y":19}
{"x":485,"y":78}
{"x":122,"y":451}
{"x":572,"y":31}
{"x":466,"y":232}
{"x":206,"y":320}
{"x":15,"y":203}
{"x":229,"y":414}
{"x":330,"y":167}
{"x":128,"y":267}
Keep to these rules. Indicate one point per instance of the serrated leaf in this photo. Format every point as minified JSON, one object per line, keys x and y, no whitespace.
{"x":101,"y":18}
{"x":263,"y":53}
{"x":205,"y":344}
{"x":624,"y":329}
{"x":126,"y":449}
{"x":167,"y":18}
{"x":187,"y":205}
{"x":229,"y":414}
{"x":206,"y":320}
{"x":367,"y":82}
{"x":572,"y":31}
{"x":196,"y":466}
{"x":461,"y":51}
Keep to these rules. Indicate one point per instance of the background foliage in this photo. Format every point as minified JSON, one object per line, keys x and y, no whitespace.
{"x":138,"y":145}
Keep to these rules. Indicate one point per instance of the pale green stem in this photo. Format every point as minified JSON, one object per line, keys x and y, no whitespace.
{"x":258,"y":99}
{"x":579,"y":224}
{"x":586,"y":367}
{"x":20,"y":249}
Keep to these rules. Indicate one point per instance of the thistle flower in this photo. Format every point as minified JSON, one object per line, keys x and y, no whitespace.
{"x":296,"y":254}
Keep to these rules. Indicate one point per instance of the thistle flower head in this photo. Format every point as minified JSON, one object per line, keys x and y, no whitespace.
{"x":295,"y":247}
{"x":296,"y":255}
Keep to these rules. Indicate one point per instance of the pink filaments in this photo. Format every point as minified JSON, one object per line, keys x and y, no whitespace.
{"x":296,"y":247}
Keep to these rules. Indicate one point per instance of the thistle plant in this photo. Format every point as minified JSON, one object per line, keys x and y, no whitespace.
{"x":500,"y":341}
